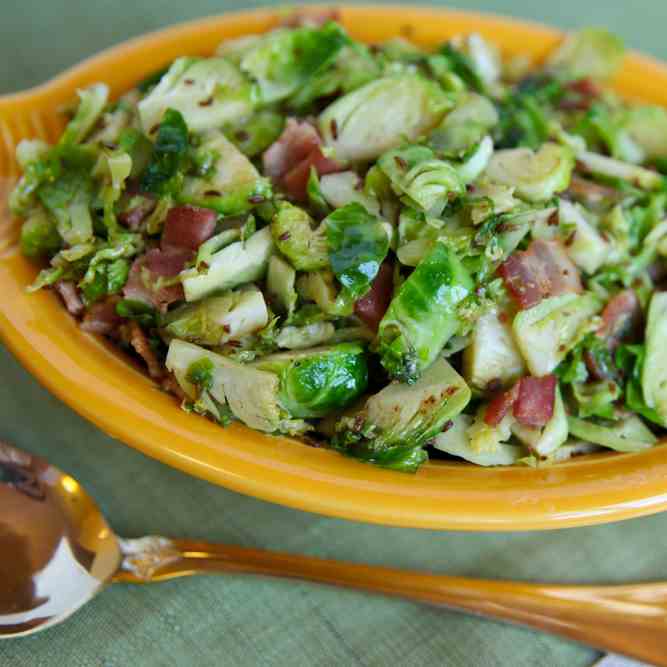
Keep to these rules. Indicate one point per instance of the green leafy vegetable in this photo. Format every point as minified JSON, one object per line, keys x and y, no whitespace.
{"x":293,"y":234}
{"x":317,"y":381}
{"x":358,"y":244}
{"x":169,"y":155}
{"x":423,"y":314}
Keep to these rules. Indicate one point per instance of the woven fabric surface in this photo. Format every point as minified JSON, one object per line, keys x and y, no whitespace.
{"x":244,"y":621}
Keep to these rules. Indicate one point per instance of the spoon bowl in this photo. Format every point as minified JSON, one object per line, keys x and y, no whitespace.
{"x":57,"y":552}
{"x":55,"y":533}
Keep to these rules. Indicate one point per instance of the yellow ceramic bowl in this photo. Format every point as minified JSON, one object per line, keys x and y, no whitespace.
{"x":106,"y":388}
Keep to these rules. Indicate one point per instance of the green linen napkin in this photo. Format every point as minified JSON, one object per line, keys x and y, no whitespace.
{"x":244,"y":621}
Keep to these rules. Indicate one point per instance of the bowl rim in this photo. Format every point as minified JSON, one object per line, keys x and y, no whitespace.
{"x":97,"y":381}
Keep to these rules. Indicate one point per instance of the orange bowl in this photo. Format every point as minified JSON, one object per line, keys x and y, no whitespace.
{"x":106,"y":388}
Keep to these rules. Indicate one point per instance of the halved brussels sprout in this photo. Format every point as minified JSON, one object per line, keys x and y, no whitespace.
{"x":238,"y":263}
{"x":394,"y":424}
{"x":252,"y":394}
{"x":293,"y":233}
{"x":219,"y":319}
{"x":629,"y":435}
{"x":455,"y":441}
{"x":231,"y":185}
{"x":320,"y":380}
{"x":423,"y":314}
{"x":536,"y":176}
{"x":419,"y":176}
{"x":208,"y":92}
{"x":492,"y":355}
{"x":381,"y":115}
{"x":546,"y":332}
{"x":592,"y":52}
{"x":654,"y":373}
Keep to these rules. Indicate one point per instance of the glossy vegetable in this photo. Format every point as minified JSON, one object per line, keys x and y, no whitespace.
{"x":381,"y":115}
{"x":219,"y":319}
{"x":293,"y":233}
{"x":238,"y":263}
{"x":251,"y":394}
{"x":423,"y":316}
{"x":536,"y":176}
{"x":358,"y":244}
{"x":393,"y":426}
{"x":314,"y":382}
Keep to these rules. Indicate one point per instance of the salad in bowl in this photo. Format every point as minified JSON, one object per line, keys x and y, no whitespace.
{"x":386,"y":251}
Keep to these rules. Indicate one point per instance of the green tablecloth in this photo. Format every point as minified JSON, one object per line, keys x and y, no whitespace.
{"x":243,"y":621}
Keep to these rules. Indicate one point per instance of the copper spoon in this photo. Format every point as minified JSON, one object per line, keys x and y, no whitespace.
{"x":57,"y":552}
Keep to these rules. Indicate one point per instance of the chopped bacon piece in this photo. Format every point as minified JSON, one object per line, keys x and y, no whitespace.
{"x":143,"y":283}
{"x":620,"y":318}
{"x":372,"y":307}
{"x":289,"y":159}
{"x":541,"y":271}
{"x":102,"y":318}
{"x":534,"y":405}
{"x":170,"y":385}
{"x":531,"y":400}
{"x":296,"y":142}
{"x":70,"y":296}
{"x":311,"y":19}
{"x":295,"y":181}
{"x":500,"y":405}
{"x":133,"y":217}
{"x":188,"y":227}
{"x":143,"y":348}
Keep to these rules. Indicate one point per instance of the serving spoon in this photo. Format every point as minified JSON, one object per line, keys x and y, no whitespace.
{"x":57,"y":552}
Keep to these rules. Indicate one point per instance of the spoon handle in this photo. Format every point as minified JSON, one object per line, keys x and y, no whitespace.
{"x":629,"y":619}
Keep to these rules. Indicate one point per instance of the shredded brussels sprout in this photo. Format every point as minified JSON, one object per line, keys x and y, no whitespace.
{"x":400,"y":252}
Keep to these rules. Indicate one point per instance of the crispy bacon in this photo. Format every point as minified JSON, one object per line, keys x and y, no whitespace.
{"x":500,"y":405}
{"x":534,"y":405}
{"x":70,"y":295}
{"x":289,"y":159}
{"x":142,"y":347}
{"x":188,"y":227}
{"x":170,"y":385}
{"x":102,"y":318}
{"x":542,"y":271}
{"x":133,"y":217}
{"x":143,"y":283}
{"x":531,"y":400}
{"x":621,"y":318}
{"x":372,"y":307}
